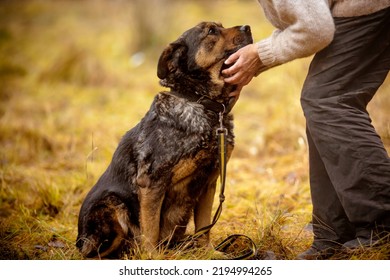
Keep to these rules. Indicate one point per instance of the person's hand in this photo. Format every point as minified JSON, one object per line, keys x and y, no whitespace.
{"x":234,"y":95}
{"x":246,"y":62}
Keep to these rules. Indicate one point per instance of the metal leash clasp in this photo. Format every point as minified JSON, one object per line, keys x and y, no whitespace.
{"x":221,"y":128}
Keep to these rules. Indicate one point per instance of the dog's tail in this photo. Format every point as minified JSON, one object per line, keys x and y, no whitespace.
{"x":104,"y":228}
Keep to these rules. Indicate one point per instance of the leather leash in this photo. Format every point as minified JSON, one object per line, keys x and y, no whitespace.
{"x":226,"y":243}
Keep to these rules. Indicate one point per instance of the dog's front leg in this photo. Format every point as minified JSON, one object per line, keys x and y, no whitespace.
{"x":202,"y":212}
{"x":150,"y":209}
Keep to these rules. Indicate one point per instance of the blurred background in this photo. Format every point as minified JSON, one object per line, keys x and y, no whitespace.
{"x":76,"y":75}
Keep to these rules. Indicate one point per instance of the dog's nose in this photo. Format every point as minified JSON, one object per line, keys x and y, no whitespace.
{"x":245,"y":28}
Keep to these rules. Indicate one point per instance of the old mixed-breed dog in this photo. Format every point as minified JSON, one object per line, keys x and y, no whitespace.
{"x":165,"y":169}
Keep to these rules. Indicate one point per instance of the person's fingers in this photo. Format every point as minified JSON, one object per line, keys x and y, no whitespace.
{"x":239,"y":78}
{"x":232,"y":58}
{"x":236,"y":93}
{"x":234,"y":79}
{"x":244,"y":68}
{"x":234,"y":96}
{"x":231,"y":70}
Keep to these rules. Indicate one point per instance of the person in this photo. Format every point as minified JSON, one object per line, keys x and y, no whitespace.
{"x":349,"y":166}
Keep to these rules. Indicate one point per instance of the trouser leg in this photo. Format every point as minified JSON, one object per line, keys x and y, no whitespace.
{"x":349,"y":166}
{"x":331,"y":226}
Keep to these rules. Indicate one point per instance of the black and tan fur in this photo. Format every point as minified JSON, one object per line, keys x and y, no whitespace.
{"x":165,"y":169}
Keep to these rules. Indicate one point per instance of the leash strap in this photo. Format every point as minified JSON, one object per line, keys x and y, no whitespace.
{"x":222,"y":146}
{"x":221,"y":134}
{"x":230,"y":240}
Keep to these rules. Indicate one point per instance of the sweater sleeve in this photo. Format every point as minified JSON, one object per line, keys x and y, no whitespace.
{"x":304,"y":28}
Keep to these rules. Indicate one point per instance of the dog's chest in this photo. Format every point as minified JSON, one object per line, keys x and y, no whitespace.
{"x":177,"y":145}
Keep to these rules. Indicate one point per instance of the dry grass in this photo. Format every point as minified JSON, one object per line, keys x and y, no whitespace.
{"x":75,"y":76}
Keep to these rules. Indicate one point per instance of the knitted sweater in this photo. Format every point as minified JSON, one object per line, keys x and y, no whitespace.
{"x":304,"y":27}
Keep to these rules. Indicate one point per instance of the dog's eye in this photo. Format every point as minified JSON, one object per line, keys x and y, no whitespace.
{"x":212,"y":30}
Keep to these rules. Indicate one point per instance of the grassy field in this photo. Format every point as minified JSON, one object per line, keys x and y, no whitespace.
{"x":76,"y":75}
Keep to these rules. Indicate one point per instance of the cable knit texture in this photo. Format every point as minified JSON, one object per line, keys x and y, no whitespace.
{"x":304,"y":27}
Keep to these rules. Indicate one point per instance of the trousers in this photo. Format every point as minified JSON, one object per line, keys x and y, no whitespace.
{"x":349,"y":165}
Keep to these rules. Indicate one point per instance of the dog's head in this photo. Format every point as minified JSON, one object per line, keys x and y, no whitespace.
{"x":194,"y":61}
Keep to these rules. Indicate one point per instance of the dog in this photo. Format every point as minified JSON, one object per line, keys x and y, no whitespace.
{"x":165,"y":169}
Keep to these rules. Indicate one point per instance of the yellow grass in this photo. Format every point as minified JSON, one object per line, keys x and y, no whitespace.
{"x":76,"y":75}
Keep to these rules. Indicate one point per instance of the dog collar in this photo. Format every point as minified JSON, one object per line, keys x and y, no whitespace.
{"x":209,"y":104}
{"x":212,"y":105}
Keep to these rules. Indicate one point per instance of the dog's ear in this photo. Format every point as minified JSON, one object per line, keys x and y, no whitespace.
{"x":170,"y":58}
